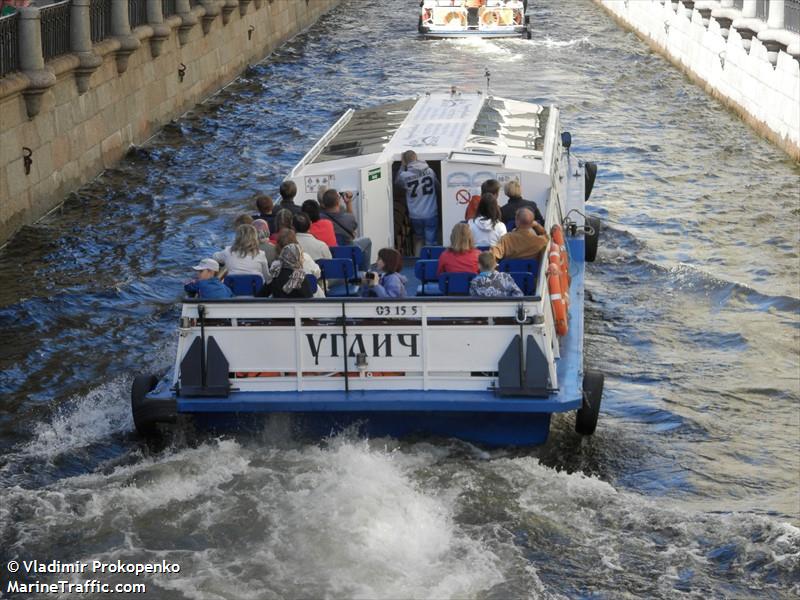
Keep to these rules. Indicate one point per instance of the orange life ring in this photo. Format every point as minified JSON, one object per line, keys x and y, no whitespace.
{"x":557,"y":234}
{"x":556,"y":258}
{"x":490,"y":17}
{"x":557,"y":299}
{"x":454,"y":14}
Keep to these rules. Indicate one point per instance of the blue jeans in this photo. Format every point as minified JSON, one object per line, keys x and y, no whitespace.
{"x":427,"y":229}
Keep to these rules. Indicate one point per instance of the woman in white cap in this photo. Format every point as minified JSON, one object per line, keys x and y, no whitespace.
{"x":207,"y":285}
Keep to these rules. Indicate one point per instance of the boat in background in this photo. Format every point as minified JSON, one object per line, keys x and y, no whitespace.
{"x":481,"y":18}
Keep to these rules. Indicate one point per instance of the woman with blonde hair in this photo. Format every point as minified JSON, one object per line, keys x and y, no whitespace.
{"x":515,"y":201}
{"x":462,"y":255}
{"x":244,"y":257}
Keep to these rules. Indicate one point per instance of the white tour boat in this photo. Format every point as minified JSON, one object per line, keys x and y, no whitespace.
{"x":482,"y":18}
{"x":487,"y":370}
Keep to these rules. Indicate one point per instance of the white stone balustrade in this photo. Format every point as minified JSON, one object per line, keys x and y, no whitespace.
{"x":742,"y":61}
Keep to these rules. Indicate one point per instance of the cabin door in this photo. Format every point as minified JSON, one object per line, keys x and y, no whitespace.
{"x":377,"y":206}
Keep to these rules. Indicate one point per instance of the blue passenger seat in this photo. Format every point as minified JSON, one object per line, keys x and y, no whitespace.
{"x":313,"y":284}
{"x":425,"y":272}
{"x":244,"y":285}
{"x":525,"y":281}
{"x":353,"y":253}
{"x":340,"y":269}
{"x":431,"y":252}
{"x":519,"y":265}
{"x":455,"y":284}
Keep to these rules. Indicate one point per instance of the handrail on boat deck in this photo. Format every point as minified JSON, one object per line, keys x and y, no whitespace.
{"x":333,"y":131}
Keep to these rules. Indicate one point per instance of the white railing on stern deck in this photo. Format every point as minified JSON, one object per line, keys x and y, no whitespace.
{"x":407,"y":344}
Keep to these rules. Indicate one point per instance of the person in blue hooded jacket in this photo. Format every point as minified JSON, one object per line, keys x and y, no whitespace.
{"x":206,"y":284}
{"x":390,"y":283}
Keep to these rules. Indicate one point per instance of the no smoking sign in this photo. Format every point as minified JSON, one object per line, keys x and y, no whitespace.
{"x":463,"y":196}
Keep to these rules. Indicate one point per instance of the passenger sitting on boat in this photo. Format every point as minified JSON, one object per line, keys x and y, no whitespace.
{"x":526,"y":241}
{"x":486,"y":227}
{"x":262,"y":229}
{"x":515,"y":201}
{"x":242,"y":220}
{"x":390,"y":283}
{"x":420,"y":184}
{"x":322,"y":229}
{"x":491,"y":186}
{"x":206,"y":284}
{"x":289,"y":280}
{"x":491,"y":283}
{"x":264,"y":205}
{"x":345,"y":225}
{"x":311,"y":245}
{"x":287,"y":237}
{"x":244,"y":257}
{"x":283,"y":220}
{"x":462,"y":255}
{"x":288,"y":191}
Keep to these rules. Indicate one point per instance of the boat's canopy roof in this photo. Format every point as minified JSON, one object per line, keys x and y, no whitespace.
{"x":436,"y":126}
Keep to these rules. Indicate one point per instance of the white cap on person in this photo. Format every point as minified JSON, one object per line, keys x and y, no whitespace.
{"x":207,"y":264}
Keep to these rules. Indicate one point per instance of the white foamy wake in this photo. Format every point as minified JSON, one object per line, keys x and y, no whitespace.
{"x":83,"y":420}
{"x":377,"y":519}
{"x":549,"y":42}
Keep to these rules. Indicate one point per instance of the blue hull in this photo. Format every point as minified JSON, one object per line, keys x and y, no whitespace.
{"x":489,"y":429}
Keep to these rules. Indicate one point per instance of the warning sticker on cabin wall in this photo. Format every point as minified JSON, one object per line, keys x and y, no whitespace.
{"x":314,"y":182}
{"x":504,"y":178}
{"x":374,"y":174}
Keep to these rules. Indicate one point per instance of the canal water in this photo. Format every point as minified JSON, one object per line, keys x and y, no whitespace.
{"x":689,"y":487}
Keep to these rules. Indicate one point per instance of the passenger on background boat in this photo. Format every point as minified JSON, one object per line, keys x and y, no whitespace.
{"x":345,"y":225}
{"x":526,"y":241}
{"x":264,"y":205}
{"x":206,"y":284}
{"x":289,"y":236}
{"x":288,"y":191}
{"x":515,"y":201}
{"x":242,"y":220}
{"x":420,"y":184}
{"x":322,"y":229}
{"x":289,"y":280}
{"x":487,"y":227}
{"x":262,"y":228}
{"x":389,"y":283}
{"x":284,"y":219}
{"x":244,"y":257}
{"x":491,"y":186}
{"x":311,"y":245}
{"x":462,"y":255}
{"x":490,"y":283}
{"x":11,"y":6}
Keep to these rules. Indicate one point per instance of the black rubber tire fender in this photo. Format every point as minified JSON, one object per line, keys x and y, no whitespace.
{"x":592,"y":240}
{"x":145,"y":414}
{"x":586,"y":416}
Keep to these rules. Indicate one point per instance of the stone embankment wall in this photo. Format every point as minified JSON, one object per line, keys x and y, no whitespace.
{"x":78,"y":113}
{"x":747,"y":61}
